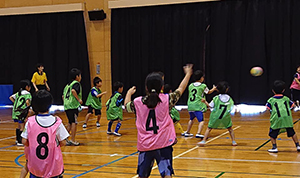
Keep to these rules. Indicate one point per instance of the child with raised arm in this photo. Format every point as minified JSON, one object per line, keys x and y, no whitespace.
{"x":114,"y":110}
{"x":220,"y":118}
{"x":281,"y":116}
{"x":43,"y":136}
{"x":21,"y":100}
{"x":196,"y":107}
{"x":94,"y":102}
{"x":156,"y":132}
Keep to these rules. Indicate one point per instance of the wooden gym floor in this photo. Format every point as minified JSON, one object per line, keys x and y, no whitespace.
{"x":105,"y":156}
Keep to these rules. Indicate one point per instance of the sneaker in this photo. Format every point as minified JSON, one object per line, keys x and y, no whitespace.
{"x":273,"y":150}
{"x":298,"y":148}
{"x":234,"y":143}
{"x":182,"y":134}
{"x":20,"y":144}
{"x":109,"y":132}
{"x":74,"y":143}
{"x":117,"y":134}
{"x":97,"y":124}
{"x":188,"y":134}
{"x":202,"y":143}
{"x":84,"y":125}
{"x":199,"y":136}
{"x":68,"y":143}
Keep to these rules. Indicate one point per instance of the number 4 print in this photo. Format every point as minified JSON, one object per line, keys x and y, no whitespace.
{"x":151,"y":116}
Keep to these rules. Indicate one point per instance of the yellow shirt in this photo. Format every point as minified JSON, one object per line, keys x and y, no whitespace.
{"x":39,"y":79}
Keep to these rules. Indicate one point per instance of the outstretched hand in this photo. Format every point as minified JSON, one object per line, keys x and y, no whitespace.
{"x":132,"y":90}
{"x":188,"y":68}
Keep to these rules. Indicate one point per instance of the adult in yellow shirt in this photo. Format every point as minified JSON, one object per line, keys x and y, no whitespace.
{"x":39,"y":79}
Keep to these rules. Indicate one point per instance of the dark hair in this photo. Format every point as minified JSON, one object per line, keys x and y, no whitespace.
{"x":153,"y":85}
{"x":23,"y":85}
{"x":198,"y":74}
{"x":222,"y":87}
{"x":96,"y":80}
{"x":167,"y":88}
{"x":74,"y":72}
{"x":161,"y":74}
{"x":278,"y":86}
{"x":41,"y":101}
{"x":117,"y":85}
{"x":38,"y":65}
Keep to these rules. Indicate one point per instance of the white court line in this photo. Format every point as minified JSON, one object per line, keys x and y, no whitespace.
{"x":7,"y":138}
{"x":194,"y":148}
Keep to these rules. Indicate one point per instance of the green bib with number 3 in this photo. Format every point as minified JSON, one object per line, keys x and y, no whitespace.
{"x":196,"y":93}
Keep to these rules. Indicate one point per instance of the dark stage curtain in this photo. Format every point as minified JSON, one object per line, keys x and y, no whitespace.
{"x":225,"y":39}
{"x":58,"y":40}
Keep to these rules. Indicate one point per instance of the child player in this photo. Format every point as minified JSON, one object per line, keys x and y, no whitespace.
{"x":156,"y":133}
{"x":220,"y":118}
{"x":43,"y":135}
{"x":21,"y":101}
{"x":281,"y":116}
{"x":173,"y":112}
{"x":72,"y":102}
{"x":196,"y":107}
{"x":114,"y":111}
{"x":94,"y":101}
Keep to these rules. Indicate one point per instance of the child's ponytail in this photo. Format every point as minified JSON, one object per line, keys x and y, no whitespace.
{"x":153,"y":86}
{"x":23,"y":85}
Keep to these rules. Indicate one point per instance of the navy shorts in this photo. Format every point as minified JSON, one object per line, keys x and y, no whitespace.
{"x":275,"y":132}
{"x":295,"y":94}
{"x":18,"y":121}
{"x":197,"y":114}
{"x":33,"y":176}
{"x":163,"y":159}
{"x":97,"y":111}
{"x":72,"y":115}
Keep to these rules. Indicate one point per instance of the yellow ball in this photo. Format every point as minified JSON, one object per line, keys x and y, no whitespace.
{"x":256,"y":71}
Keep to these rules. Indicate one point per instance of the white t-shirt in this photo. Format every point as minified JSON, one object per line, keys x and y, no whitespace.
{"x":23,"y":92}
{"x":206,"y":90}
{"x":223,"y":97}
{"x":47,"y":120}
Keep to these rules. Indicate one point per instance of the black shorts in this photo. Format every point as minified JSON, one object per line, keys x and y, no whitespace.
{"x":97,"y":111}
{"x":295,"y":94}
{"x":275,"y":132}
{"x":41,"y":87}
{"x":72,"y":115}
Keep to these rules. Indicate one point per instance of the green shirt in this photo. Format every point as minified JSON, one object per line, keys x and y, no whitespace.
{"x":20,"y":103}
{"x":174,"y":114}
{"x":70,"y":102}
{"x":114,"y":107}
{"x":220,"y":115}
{"x":281,"y":115}
{"x":196,"y":93}
{"x":93,"y":100}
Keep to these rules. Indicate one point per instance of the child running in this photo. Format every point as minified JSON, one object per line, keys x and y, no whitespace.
{"x":43,"y":136}
{"x":196,"y":107}
{"x":21,"y":101}
{"x":94,"y":102}
{"x":156,"y":133}
{"x":173,"y":112}
{"x":281,"y":116}
{"x":114,"y":111}
{"x":220,"y":118}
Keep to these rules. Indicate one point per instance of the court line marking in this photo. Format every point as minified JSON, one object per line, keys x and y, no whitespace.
{"x":220,"y":175}
{"x":192,"y":149}
{"x":17,"y":160}
{"x":78,"y":175}
{"x":7,"y":138}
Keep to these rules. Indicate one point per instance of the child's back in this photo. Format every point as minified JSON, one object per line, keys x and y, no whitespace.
{"x":196,"y":93}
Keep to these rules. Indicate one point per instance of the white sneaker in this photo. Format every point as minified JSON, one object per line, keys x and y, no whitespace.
{"x":273,"y":150}
{"x":199,"y":136}
{"x":109,"y":132}
{"x":188,"y":134}
{"x":84,"y":125}
{"x":298,"y":148}
{"x":97,"y":124}
{"x":202,"y":143}
{"x":117,"y":134}
{"x":20,"y":144}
